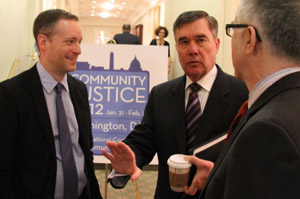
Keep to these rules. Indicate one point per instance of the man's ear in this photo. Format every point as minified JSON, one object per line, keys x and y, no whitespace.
{"x":217,"y":41}
{"x":251,"y":40}
{"x":41,"y":42}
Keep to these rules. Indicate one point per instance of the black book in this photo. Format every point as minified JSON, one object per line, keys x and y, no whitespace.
{"x":211,"y":149}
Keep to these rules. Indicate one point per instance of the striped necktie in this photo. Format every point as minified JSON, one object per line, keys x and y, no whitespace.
{"x":193,"y":113}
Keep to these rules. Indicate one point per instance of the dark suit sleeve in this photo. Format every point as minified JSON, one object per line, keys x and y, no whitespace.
{"x":141,"y":139}
{"x":8,"y":139}
{"x":268,"y":168}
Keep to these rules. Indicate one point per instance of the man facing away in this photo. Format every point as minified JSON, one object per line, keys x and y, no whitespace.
{"x":45,"y":122}
{"x":262,"y":158}
{"x":163,"y":126}
{"x":126,"y":37}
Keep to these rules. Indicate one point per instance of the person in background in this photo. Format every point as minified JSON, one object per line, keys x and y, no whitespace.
{"x":262,"y":157}
{"x":43,"y":153}
{"x":164,"y":127}
{"x":126,"y":37}
{"x":162,"y":33}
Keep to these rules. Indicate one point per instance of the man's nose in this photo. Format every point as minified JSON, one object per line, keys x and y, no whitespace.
{"x":77,"y":48}
{"x":193,"y":49}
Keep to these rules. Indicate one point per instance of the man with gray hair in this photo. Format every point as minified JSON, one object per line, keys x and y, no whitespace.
{"x":262,"y":157}
{"x":167,"y":126}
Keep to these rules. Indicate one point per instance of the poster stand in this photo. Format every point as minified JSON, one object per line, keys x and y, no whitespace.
{"x":106,"y":184}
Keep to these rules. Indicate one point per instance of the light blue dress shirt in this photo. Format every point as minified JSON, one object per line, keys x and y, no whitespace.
{"x":49,"y":83}
{"x":268,"y":81}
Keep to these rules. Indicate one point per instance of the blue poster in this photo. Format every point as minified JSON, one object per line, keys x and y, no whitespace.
{"x":119,"y":79}
{"x":117,"y":99}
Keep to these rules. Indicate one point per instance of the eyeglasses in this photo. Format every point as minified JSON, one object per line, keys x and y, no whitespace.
{"x":229,"y":30}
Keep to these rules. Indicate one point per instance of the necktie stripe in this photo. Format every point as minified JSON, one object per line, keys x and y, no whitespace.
{"x":190,"y":140}
{"x":191,"y":127}
{"x":194,"y":105}
{"x":193,"y":113}
{"x":194,"y":120}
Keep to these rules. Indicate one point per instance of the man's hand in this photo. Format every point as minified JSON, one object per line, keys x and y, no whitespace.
{"x":122,"y":159}
{"x":204,"y":168}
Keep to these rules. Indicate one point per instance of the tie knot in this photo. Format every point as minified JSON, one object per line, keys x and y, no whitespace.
{"x":195,"y":87}
{"x":59,"y":88}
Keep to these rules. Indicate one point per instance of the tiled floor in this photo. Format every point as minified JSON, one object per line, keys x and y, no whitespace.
{"x":146,"y":185}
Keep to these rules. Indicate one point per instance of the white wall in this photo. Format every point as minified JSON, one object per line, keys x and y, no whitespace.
{"x":92,"y":32}
{"x":16,"y":34}
{"x":147,"y":27}
{"x":17,"y":41}
{"x":229,"y":15}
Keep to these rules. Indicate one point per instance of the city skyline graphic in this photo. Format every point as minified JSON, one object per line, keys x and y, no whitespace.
{"x":135,"y":65}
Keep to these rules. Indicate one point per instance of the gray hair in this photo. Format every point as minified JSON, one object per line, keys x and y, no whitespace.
{"x":277,"y":22}
{"x":190,"y":16}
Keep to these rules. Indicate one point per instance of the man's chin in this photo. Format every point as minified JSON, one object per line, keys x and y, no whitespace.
{"x":196,"y":76}
{"x":71,"y":68}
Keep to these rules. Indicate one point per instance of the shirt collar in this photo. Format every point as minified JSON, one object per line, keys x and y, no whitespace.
{"x":48,"y":81}
{"x":205,"y":82}
{"x":266,"y":82}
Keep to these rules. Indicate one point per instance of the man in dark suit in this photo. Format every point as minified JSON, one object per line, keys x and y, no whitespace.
{"x":163,"y":127}
{"x":126,"y":37}
{"x":262,"y":158}
{"x":31,"y":157}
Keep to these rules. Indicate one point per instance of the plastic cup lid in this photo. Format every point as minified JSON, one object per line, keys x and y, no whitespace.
{"x":178,"y":161}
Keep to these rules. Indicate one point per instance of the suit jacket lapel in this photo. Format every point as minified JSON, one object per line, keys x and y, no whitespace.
{"x":266,"y":96}
{"x":36,"y":90}
{"x":278,"y":87}
{"x":177,"y":105}
{"x":75,"y":96}
{"x":216,"y":104}
{"x":228,"y":145}
{"x":217,"y":101}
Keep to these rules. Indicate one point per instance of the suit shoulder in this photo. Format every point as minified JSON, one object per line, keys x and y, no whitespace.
{"x":174,"y":83}
{"x":20,"y":80}
{"x":76,"y":82}
{"x":234,"y":82}
{"x":229,"y":85}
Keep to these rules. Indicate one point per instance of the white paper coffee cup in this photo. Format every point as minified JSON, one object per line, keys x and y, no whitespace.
{"x":179,"y":171}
